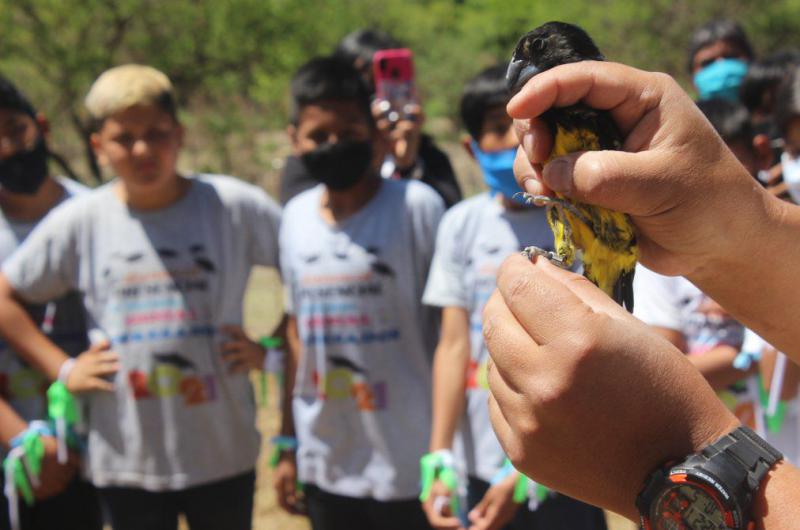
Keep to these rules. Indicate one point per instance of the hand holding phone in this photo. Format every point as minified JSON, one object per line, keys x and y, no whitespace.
{"x":393,"y":71}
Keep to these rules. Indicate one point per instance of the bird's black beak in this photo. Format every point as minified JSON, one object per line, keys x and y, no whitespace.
{"x":519,"y":72}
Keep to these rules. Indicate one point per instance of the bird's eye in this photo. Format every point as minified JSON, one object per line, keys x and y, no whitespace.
{"x":538,"y":45}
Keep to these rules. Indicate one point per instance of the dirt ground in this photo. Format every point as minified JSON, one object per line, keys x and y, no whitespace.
{"x":262,"y":312}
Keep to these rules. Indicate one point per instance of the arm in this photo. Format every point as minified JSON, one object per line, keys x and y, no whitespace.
{"x":450,"y":363}
{"x":716,"y":365}
{"x":675,"y":337}
{"x":24,"y":337}
{"x":777,"y":505}
{"x":288,"y":327}
{"x":285,"y":476}
{"x":10,"y":424}
{"x":28,"y":341}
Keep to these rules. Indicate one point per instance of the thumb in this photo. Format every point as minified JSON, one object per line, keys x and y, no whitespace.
{"x":618,"y":180}
{"x":480,"y":509}
{"x":100,"y":345}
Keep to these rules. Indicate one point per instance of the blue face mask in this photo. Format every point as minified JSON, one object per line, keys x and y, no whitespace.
{"x":498,"y":171}
{"x":721,"y":79}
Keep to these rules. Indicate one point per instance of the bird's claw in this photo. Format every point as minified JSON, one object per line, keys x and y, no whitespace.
{"x":536,"y":200}
{"x":555,"y":259}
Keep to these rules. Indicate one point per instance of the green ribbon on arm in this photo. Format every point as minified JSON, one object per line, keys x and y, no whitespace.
{"x":24,"y":464}
{"x":268,"y":343}
{"x":433,"y":468}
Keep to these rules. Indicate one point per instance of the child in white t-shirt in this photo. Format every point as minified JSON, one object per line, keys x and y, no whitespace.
{"x":161,"y":262}
{"x":355,"y":253}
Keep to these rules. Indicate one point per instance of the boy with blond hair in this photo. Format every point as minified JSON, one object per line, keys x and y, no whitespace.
{"x":161,"y":261}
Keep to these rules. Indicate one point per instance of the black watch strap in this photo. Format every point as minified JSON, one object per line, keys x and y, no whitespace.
{"x":750,"y":450}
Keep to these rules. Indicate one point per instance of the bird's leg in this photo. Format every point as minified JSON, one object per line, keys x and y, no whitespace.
{"x":549,"y":202}
{"x":555,"y":259}
{"x":544,"y":200}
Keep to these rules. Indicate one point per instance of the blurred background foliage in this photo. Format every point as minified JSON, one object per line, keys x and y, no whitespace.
{"x":231,"y":60}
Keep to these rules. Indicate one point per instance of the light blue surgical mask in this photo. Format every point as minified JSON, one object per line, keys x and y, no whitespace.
{"x":721,"y":79}
{"x":498,"y":171}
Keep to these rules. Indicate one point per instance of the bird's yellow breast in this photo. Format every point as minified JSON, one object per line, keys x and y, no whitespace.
{"x":609,"y":244}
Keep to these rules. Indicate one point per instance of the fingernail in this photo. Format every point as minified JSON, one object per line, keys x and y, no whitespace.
{"x":531,"y":186}
{"x":557,"y":175}
{"x":527,"y":145}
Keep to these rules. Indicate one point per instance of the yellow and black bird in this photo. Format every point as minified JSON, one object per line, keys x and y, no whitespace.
{"x":606,"y":238}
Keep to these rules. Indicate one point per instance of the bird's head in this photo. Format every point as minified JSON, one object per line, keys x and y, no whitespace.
{"x":549,"y":45}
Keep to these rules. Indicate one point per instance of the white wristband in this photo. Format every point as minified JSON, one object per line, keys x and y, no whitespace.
{"x":65,"y":370}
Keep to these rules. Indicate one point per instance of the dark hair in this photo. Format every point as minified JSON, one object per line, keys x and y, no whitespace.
{"x":11,"y":98}
{"x":328,"y":78}
{"x":486,"y":90}
{"x":719,"y":30}
{"x":787,"y":101}
{"x":765,"y":75}
{"x":730,"y":119}
{"x":361,"y":44}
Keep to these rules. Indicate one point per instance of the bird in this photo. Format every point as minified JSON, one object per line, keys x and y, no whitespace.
{"x":606,"y":238}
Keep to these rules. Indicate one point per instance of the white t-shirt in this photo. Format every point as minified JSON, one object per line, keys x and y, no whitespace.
{"x":474,"y":238}
{"x":673,"y":302}
{"x":362,"y":395}
{"x":159,"y":285}
{"x":63,"y":321}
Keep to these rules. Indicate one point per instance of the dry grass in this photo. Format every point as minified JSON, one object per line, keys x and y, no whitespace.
{"x":262,"y":312}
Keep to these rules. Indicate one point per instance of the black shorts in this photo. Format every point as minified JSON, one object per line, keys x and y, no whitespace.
{"x":223,"y":505}
{"x":75,"y":508}
{"x":329,"y":511}
{"x":557,"y":512}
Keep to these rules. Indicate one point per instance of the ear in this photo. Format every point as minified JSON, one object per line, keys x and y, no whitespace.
{"x":43,"y":124}
{"x":466,"y":143}
{"x":181,"y":134}
{"x":291,"y":130}
{"x":97,"y":148}
{"x":763,"y":150}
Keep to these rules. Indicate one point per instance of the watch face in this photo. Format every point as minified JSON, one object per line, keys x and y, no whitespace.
{"x":687,"y":507}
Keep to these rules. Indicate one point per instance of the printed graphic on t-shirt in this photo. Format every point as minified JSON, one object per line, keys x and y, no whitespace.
{"x":152,"y":292}
{"x":344,"y":310}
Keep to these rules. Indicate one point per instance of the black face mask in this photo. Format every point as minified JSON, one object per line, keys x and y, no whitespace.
{"x":25,"y":172}
{"x":339,"y":166}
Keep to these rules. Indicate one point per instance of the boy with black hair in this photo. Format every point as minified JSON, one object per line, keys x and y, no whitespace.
{"x":474,"y":238}
{"x":162,"y":262}
{"x":719,"y":53}
{"x":27,"y":194}
{"x":761,"y":84}
{"x":411,"y":154}
{"x":733,"y":123}
{"x":355,"y":252}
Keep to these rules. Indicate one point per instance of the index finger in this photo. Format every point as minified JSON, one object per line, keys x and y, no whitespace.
{"x":628,"y":93}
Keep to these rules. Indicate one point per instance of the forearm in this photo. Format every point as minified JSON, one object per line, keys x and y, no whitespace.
{"x":291,"y":361}
{"x":11,"y":424}
{"x":749,"y":270}
{"x":449,"y":398}
{"x":777,"y":504}
{"x":25,"y":338}
{"x":716,"y":365}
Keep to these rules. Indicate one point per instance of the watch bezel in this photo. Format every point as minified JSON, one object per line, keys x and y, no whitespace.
{"x":706,"y":482}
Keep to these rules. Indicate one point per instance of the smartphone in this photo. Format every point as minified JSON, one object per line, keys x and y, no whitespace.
{"x":393,"y":72}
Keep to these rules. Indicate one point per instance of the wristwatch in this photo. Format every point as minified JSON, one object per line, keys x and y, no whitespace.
{"x":711,"y":490}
